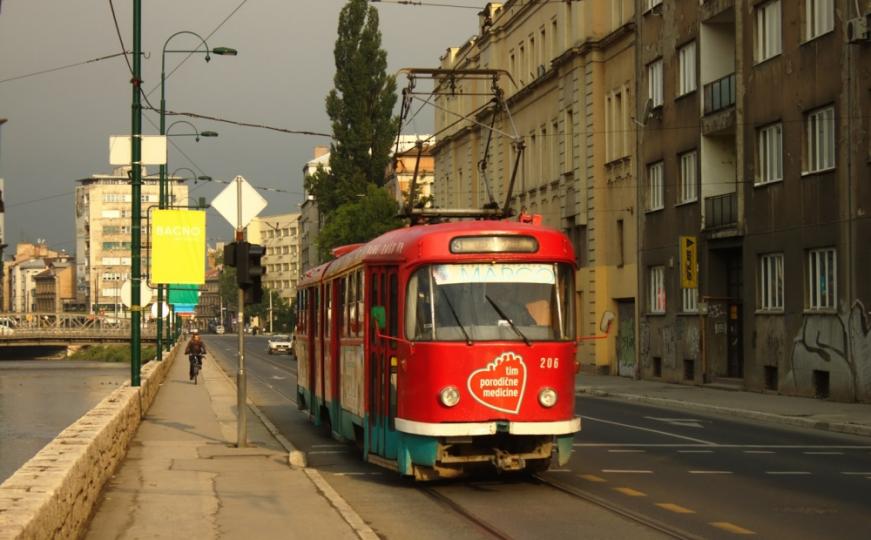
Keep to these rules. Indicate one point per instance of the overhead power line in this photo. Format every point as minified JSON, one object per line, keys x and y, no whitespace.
{"x":59,"y":68}
{"x":239,"y":123}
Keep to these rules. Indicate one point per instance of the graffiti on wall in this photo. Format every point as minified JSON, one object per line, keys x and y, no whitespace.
{"x":839,"y":342}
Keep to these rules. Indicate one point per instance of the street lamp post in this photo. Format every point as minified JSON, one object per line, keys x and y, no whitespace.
{"x":162,"y":198}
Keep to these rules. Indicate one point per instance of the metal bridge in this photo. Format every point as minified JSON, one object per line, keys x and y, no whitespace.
{"x":64,"y":329}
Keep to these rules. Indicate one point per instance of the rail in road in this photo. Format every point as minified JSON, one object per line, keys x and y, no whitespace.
{"x":61,"y":329}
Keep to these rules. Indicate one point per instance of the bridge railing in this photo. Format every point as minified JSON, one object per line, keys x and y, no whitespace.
{"x":66,"y":324}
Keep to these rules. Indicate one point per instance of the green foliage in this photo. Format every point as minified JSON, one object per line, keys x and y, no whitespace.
{"x":360,"y":221}
{"x":111,"y":353}
{"x":229,"y":290}
{"x":360,"y":107}
{"x":283,"y":316}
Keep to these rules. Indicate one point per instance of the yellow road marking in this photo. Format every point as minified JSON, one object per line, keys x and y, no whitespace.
{"x":677,"y":509}
{"x":630,"y":492}
{"x":731,"y":527}
{"x":592,"y":478}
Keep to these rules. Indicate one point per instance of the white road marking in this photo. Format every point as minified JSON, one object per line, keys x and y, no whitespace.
{"x":787,"y":473}
{"x":758,"y":452}
{"x":824,"y":453}
{"x":278,"y":378}
{"x":626,"y":471}
{"x":675,"y":435}
{"x":710,"y":472}
{"x":682,"y":422}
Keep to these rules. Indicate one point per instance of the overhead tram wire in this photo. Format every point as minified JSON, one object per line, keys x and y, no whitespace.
{"x":67,"y":66}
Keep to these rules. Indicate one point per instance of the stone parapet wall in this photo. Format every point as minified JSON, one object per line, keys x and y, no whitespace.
{"x":53,"y":494}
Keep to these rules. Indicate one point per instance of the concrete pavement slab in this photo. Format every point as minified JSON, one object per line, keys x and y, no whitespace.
{"x":183,"y":476}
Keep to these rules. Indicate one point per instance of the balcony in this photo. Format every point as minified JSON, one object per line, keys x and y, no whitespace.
{"x":720,"y":94}
{"x":721,"y":211}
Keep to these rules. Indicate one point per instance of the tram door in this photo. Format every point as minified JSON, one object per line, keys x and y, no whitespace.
{"x":383,"y":291}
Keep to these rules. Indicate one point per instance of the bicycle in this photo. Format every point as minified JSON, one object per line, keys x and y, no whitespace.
{"x":196,"y":361}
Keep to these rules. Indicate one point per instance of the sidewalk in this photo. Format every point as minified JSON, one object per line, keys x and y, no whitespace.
{"x":184,"y":478}
{"x":852,"y":418}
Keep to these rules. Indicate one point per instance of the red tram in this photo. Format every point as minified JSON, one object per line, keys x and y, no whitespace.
{"x":442,"y":348}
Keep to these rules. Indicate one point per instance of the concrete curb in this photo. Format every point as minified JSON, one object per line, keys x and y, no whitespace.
{"x":838,"y":427}
{"x":54,"y":493}
{"x":297,"y":459}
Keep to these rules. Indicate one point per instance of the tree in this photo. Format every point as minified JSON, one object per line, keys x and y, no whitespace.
{"x":360,"y":107}
{"x":360,"y":221}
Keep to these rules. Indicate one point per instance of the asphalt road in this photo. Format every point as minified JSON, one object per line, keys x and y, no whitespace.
{"x":650,"y":471}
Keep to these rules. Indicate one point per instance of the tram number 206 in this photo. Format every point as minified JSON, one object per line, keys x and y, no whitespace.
{"x":548,"y":363}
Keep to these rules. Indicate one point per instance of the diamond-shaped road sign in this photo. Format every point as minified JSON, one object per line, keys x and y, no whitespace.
{"x":228,"y":201}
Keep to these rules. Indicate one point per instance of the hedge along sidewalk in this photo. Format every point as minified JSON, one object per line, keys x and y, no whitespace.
{"x":53,"y":494}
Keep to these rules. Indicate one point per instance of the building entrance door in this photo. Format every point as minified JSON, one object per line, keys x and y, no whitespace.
{"x":626,"y":338}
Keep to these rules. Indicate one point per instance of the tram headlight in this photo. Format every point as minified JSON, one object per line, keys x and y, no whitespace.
{"x":449,"y":396}
{"x":547,"y":397}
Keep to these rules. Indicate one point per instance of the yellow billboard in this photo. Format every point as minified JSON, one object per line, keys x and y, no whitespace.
{"x":178,"y":246}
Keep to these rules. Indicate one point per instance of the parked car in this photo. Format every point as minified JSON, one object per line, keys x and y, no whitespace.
{"x":219,"y":329}
{"x":279,"y":344}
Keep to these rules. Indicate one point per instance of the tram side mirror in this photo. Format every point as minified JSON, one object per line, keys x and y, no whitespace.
{"x":379,"y":316}
{"x":605,"y":323}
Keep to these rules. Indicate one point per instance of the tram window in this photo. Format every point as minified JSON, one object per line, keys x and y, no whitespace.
{"x":359,"y":292}
{"x":373,"y":291}
{"x":347,"y":284}
{"x":394,"y":308}
{"x":328,"y":303}
{"x":490,"y":302}
{"x":340,"y":307}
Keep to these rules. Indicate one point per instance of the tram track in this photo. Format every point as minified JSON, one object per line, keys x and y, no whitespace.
{"x":651,"y":523}
{"x":438,"y":495}
{"x":456,"y":507}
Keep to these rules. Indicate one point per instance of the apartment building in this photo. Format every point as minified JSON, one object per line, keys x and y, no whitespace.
{"x":571,"y":94}
{"x":55,"y":286}
{"x":402,"y":170}
{"x":755,"y":159}
{"x":103,"y":214}
{"x":19,"y":287}
{"x":279,"y":234}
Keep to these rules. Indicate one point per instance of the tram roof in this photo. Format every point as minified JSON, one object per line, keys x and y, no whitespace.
{"x":432,"y":242}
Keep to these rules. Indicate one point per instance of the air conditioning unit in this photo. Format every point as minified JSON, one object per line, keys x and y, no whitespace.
{"x":858,"y":30}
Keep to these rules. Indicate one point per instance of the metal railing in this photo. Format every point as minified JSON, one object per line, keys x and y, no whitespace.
{"x":721,"y":210}
{"x":719,"y":94}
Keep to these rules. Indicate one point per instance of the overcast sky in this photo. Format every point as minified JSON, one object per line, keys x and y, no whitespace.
{"x":59,"y":123}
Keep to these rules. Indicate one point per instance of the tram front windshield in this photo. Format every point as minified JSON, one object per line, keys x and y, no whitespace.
{"x":490,"y":302}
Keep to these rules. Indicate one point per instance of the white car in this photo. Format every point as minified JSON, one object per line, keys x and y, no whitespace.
{"x":280,"y":344}
{"x":219,"y":329}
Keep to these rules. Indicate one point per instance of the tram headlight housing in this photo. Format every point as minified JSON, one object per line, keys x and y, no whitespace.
{"x":547,"y":397}
{"x":449,"y":396}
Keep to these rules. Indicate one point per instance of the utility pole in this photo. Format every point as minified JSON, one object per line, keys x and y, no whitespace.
{"x":241,"y":377}
{"x":136,"y":197}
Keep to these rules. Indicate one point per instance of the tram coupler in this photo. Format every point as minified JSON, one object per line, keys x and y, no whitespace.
{"x":507,"y":462}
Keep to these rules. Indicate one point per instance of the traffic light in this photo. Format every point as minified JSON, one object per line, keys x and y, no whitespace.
{"x":230,"y":254}
{"x":249,"y":270}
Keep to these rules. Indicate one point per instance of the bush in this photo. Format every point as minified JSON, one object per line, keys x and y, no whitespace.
{"x":111,"y":353}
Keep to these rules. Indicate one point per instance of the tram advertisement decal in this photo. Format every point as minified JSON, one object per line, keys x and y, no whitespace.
{"x":500,"y":384}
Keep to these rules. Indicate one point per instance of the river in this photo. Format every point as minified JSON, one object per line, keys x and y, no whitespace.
{"x":40,"y":398}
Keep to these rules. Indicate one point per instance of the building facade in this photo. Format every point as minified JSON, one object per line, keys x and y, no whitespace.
{"x":19,"y":286}
{"x":755,"y":159}
{"x":280,"y":236}
{"x":571,"y":96}
{"x":402,"y":169}
{"x":55,"y":287}
{"x":103,"y":213}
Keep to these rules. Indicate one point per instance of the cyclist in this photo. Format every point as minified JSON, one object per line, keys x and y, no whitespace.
{"x":195,"y":350}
